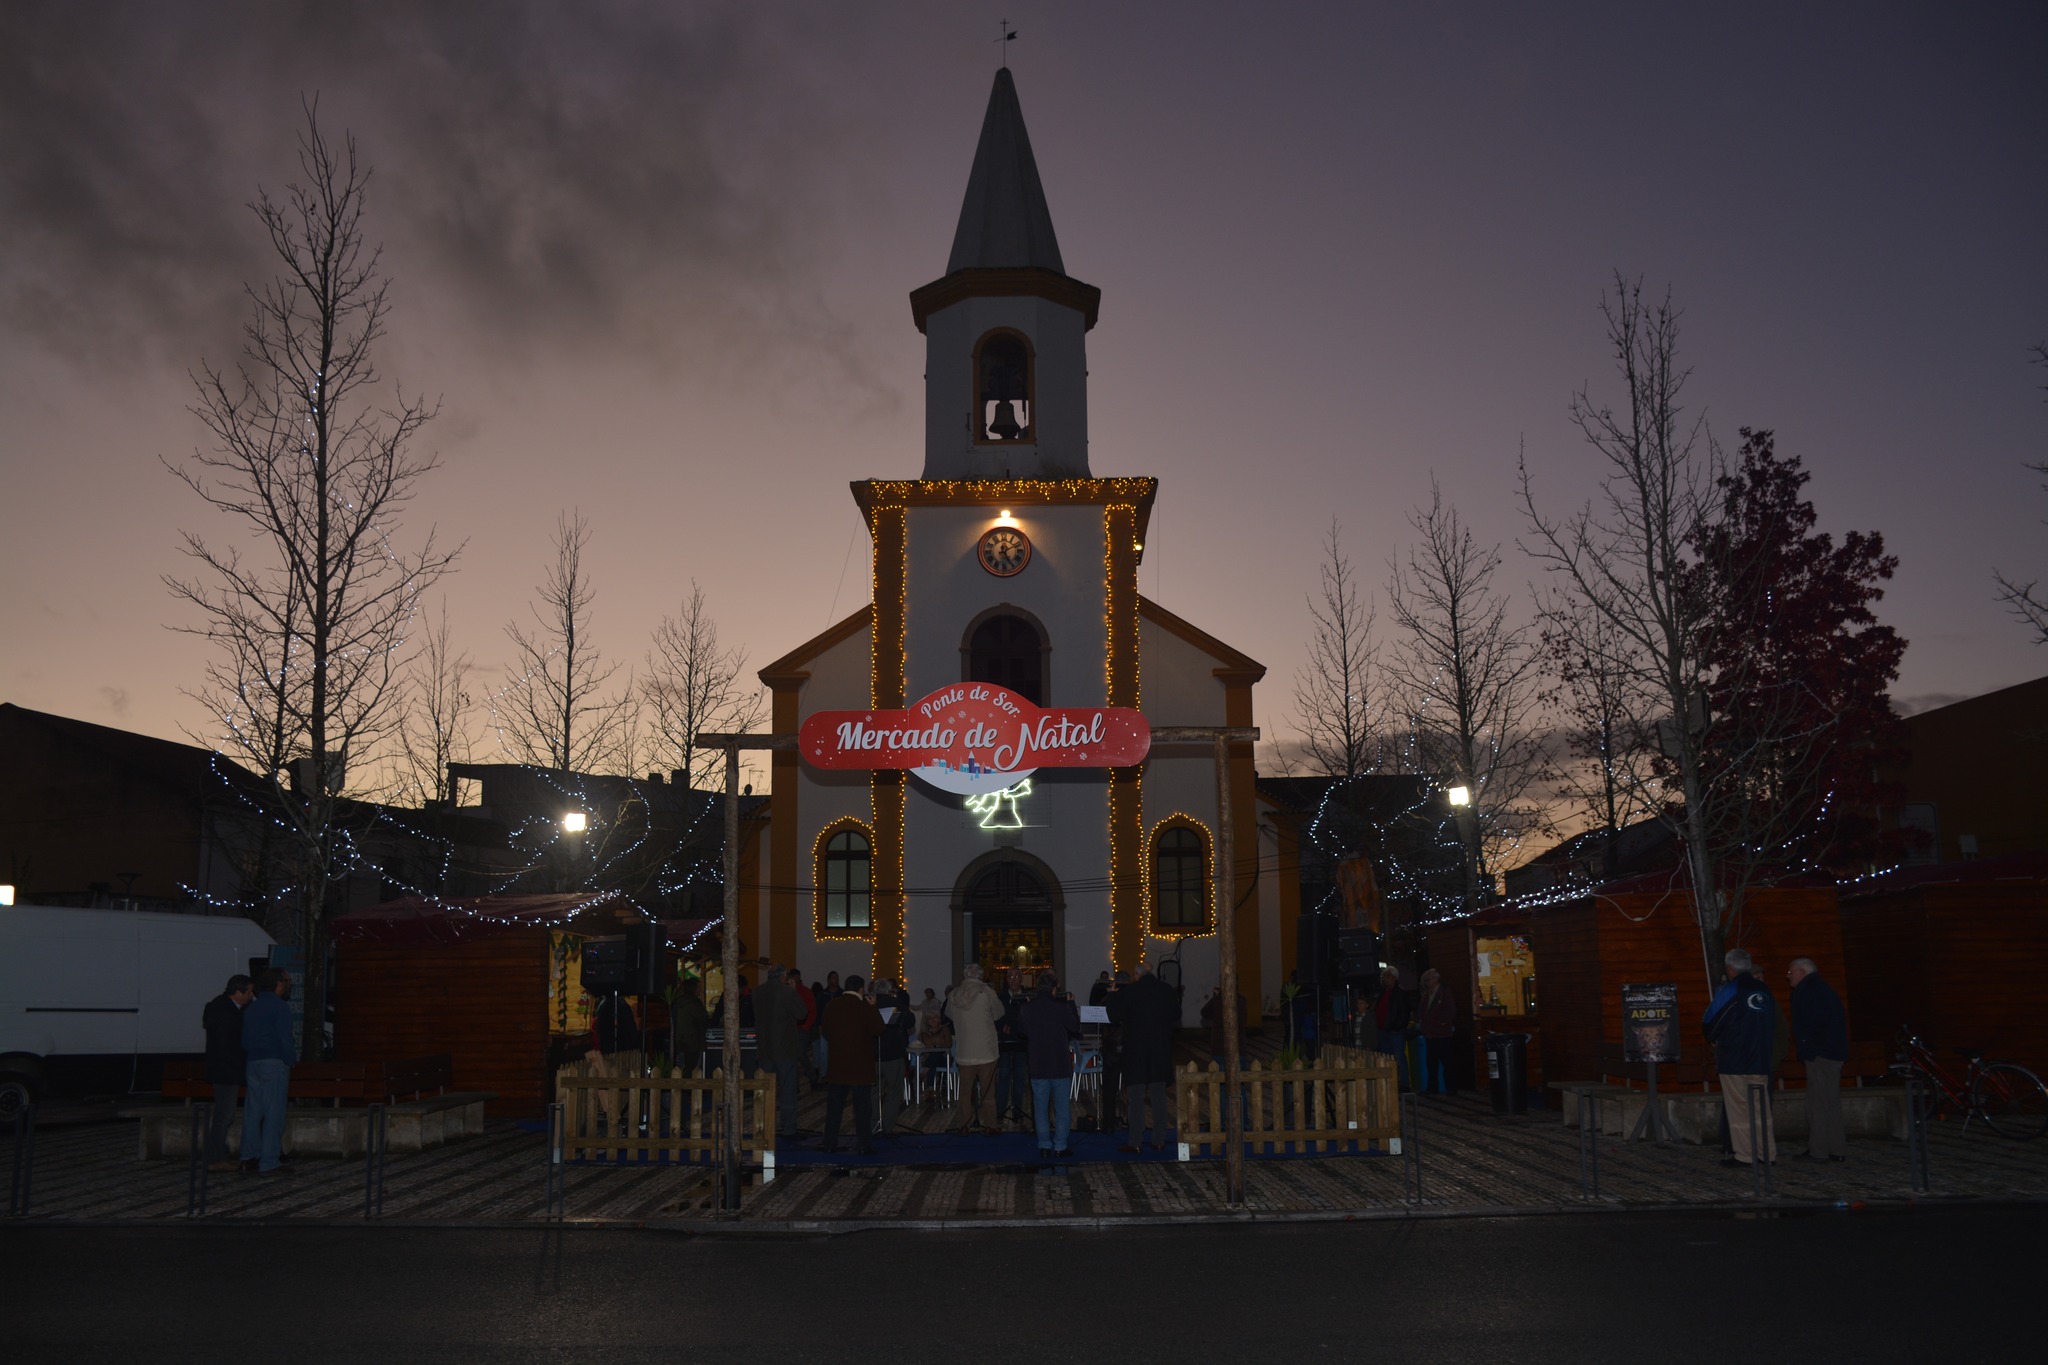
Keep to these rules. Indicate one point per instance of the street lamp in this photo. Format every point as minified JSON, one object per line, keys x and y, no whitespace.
{"x":574,"y":823}
{"x":1468,"y":835}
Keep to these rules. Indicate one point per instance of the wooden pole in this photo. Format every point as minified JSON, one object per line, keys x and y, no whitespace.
{"x":729,"y":955}
{"x":729,"y":961}
{"x":1226,"y":973}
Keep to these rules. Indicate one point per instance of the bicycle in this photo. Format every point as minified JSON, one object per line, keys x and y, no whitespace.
{"x":2008,"y":1097}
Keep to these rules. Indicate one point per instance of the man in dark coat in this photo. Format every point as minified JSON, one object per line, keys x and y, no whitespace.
{"x":1147,"y":1011}
{"x":225,"y":1065}
{"x":689,"y":1021}
{"x":850,"y":1027}
{"x":892,"y":1053}
{"x":779,"y":1042}
{"x":613,"y":1028}
{"x":1742,"y":1023}
{"x":1051,"y":1023}
{"x":1820,"y":1031}
{"x":1013,"y":1084}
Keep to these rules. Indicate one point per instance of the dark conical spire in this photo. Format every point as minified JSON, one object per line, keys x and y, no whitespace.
{"x":1004,"y":221}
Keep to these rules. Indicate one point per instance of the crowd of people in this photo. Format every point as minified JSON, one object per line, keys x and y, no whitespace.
{"x":1003,"y":1047}
{"x":1006,"y":1052}
{"x":1007,"y":1047}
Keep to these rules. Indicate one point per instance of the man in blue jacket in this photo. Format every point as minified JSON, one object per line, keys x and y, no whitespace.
{"x":1742,"y":1022}
{"x":268,"y":1046}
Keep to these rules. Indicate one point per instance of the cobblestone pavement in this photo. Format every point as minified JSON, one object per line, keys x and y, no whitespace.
{"x":91,"y":1173}
{"x":1471,"y":1160}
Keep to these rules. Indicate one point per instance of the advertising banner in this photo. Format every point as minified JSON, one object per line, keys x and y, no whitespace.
{"x":1649,"y":1022}
{"x":975,"y":738}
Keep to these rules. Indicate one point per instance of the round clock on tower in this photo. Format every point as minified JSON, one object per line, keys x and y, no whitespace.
{"x":1004,"y":551}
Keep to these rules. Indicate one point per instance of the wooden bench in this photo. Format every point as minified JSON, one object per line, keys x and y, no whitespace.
{"x":360,"y":1082}
{"x":1876,"y":1111}
{"x":421,"y":1106}
{"x":1602,"y":1092}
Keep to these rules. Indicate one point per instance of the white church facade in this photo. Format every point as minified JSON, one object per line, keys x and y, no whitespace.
{"x":1006,"y":576}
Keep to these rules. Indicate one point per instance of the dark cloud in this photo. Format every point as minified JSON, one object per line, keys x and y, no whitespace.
{"x":623,"y":174}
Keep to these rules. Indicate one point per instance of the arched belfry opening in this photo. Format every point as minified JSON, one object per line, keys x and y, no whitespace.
{"x":1006,"y":647}
{"x":1004,"y":391}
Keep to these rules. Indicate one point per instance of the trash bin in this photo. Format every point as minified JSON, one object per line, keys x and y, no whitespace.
{"x":1507,"y":1071}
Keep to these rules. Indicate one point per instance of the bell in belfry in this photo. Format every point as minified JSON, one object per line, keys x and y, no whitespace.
{"x":1005,"y":427}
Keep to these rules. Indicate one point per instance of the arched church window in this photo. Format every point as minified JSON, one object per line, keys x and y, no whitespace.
{"x":1180,"y":880}
{"x":1009,"y":652}
{"x":1003,"y":388}
{"x":844,"y":881}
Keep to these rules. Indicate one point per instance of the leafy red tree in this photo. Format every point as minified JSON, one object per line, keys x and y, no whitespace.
{"x":1799,"y":671}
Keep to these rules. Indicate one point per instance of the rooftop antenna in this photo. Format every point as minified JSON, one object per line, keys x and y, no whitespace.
{"x":1009,"y":36}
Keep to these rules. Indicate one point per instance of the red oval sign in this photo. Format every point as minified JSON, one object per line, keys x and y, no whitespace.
{"x":976,"y":737}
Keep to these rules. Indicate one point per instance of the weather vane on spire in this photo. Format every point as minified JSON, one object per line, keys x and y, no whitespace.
{"x":1009,"y":36}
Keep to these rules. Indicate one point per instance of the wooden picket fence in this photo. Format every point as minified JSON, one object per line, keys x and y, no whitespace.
{"x":1346,"y":1102}
{"x":624,"y":1113}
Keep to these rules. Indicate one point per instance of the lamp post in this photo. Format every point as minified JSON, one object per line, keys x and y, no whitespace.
{"x":574,"y":823}
{"x":1460,"y":798}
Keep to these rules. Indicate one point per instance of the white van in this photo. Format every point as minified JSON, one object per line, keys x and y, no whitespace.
{"x":97,"y":999}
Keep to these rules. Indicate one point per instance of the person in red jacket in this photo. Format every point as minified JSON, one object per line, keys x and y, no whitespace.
{"x":809,"y":1027}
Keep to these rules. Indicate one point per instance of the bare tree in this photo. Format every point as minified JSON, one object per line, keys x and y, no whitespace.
{"x":555,"y":711}
{"x":436,"y":728}
{"x":692,"y":685}
{"x":313,"y":459}
{"x":2023,"y":598}
{"x":1624,"y":558}
{"x":1464,"y":676}
{"x":1336,"y":699}
{"x":1602,"y":765}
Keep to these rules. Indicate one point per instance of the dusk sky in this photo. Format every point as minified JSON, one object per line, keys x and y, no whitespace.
{"x":654,"y":260}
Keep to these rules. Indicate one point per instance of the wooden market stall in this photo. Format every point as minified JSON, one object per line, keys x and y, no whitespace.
{"x":1957,"y":953}
{"x":1584,"y":949}
{"x":1643,"y":931}
{"x":1488,"y":964}
{"x":493,"y":981}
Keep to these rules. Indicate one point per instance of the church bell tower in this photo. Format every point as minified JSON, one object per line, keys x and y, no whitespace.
{"x":1006,"y":353}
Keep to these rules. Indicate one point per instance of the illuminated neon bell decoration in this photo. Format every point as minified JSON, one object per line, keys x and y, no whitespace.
{"x":993,"y":807}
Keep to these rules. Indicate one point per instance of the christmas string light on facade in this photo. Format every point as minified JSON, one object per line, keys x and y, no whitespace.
{"x":819,"y":882}
{"x":1210,"y":890}
{"x":1122,"y":686}
{"x":876,"y":494}
{"x":887,"y":796}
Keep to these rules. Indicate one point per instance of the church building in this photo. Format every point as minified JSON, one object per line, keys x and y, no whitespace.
{"x":975,"y":780}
